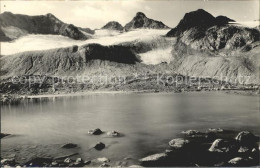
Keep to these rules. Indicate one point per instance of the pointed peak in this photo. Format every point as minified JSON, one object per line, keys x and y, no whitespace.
{"x":50,"y":15}
{"x":201,"y":10}
{"x":140,"y":14}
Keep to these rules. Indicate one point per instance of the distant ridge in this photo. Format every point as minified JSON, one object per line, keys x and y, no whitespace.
{"x":16,"y":25}
{"x":113,"y":25}
{"x":141,"y":21}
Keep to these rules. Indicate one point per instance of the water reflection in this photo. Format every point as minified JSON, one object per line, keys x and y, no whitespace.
{"x":148,"y":121}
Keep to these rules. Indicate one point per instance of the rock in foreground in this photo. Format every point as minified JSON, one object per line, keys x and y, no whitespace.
{"x":246,"y":138}
{"x":153,"y":160}
{"x":178,"y":143}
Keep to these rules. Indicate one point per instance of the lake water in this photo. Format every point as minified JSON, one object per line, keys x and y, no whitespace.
{"x":148,"y":122}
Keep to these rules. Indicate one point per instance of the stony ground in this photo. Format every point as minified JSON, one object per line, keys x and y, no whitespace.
{"x":215,"y":147}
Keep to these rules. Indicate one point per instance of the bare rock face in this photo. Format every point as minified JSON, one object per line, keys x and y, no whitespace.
{"x":217,"y":39}
{"x":42,"y":24}
{"x":113,"y":25}
{"x":141,"y":21}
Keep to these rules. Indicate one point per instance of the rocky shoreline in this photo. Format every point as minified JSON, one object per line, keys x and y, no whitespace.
{"x":9,"y":99}
{"x":213,"y":148}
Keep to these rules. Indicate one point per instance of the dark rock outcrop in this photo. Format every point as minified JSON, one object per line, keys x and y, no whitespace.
{"x":96,"y":131}
{"x":207,"y":46}
{"x":220,"y":145}
{"x":222,"y":20}
{"x":2,"y":135}
{"x":141,"y":21}
{"x":39,"y":162}
{"x":217,"y":39}
{"x":99,"y":146}
{"x":246,"y":138}
{"x":16,"y":25}
{"x":113,"y":25}
{"x":199,"y":19}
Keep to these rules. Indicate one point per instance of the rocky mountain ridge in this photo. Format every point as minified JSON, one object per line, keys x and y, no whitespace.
{"x":199,"y":19}
{"x":210,"y":47}
{"x":141,"y":21}
{"x":64,"y":60}
{"x":15,"y":25}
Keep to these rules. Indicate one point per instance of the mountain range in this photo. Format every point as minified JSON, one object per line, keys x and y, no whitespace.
{"x":15,"y":25}
{"x":201,"y":45}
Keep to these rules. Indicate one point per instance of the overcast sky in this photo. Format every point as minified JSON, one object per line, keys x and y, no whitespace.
{"x":95,"y":14}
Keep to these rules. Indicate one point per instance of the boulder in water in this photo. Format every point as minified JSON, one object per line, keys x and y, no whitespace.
{"x":113,"y":134}
{"x":69,"y":145}
{"x":96,"y":131}
{"x":99,"y":146}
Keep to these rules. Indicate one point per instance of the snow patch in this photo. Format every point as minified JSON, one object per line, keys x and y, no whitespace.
{"x":157,"y":56}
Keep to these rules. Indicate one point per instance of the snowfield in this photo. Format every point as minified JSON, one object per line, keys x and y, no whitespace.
{"x":36,"y":42}
{"x":157,"y":56}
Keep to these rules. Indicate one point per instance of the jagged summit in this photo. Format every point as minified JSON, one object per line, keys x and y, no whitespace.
{"x":113,"y":25}
{"x":199,"y":19}
{"x":141,"y":14}
{"x":141,"y":21}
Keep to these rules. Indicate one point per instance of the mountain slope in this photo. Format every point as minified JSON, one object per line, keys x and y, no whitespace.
{"x":16,"y":25}
{"x":209,"y":47}
{"x":141,"y":21}
{"x":64,"y":60}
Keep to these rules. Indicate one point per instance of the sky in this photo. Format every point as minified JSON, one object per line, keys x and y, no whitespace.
{"x":96,"y":13}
